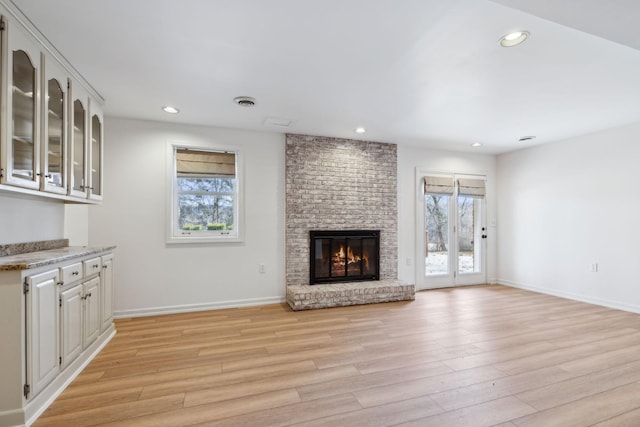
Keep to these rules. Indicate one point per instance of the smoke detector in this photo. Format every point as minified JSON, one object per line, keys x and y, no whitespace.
{"x":245,"y":101}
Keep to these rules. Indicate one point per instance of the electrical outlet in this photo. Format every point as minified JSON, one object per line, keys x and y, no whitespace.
{"x":261,"y":268}
{"x":408,"y":261}
{"x":593,"y":267}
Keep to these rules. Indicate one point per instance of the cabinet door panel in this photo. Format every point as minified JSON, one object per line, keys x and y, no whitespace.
{"x":22,"y":162}
{"x":78,"y":132}
{"x":71,"y":324}
{"x":91,"y":310}
{"x":42,"y":330}
{"x":54,"y":127}
{"x":106,"y":283}
{"x":95,"y":151}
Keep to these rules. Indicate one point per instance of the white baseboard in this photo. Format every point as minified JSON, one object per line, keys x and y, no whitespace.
{"x":187,"y":308}
{"x":570,"y":295}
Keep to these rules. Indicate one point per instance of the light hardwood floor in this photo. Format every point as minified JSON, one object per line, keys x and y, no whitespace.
{"x":474,"y":356}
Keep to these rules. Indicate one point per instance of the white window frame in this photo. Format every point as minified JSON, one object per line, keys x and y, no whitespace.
{"x":178,"y":236}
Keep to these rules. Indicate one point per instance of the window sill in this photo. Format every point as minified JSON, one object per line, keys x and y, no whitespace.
{"x":204,"y":240}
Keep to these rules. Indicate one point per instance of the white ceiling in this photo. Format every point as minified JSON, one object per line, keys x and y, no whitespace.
{"x":419,"y":72}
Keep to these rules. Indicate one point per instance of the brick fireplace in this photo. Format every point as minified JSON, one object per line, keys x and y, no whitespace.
{"x":340,"y":184}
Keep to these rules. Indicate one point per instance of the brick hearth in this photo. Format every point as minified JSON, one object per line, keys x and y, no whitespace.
{"x":307,"y":297}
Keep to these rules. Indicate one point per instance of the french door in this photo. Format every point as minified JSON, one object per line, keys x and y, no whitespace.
{"x":453,"y":233}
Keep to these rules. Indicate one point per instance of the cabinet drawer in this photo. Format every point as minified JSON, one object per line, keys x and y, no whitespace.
{"x":92,"y":266}
{"x":71,"y":273}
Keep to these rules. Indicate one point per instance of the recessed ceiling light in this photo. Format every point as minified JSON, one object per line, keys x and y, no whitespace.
{"x":513,"y":39}
{"x":360,"y":130}
{"x":245,"y":101}
{"x":526,"y":138}
{"x":169,"y":109}
{"x":476,"y":144}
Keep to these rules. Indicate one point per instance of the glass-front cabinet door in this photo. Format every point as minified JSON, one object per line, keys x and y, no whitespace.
{"x":78,"y":132}
{"x":51,"y":122}
{"x":95,"y":152}
{"x":21,"y":160}
{"x":54,"y":127}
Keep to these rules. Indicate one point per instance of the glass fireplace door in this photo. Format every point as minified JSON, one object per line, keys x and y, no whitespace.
{"x":341,"y":256}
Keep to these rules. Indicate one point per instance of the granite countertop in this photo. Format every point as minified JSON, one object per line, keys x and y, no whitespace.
{"x":28,"y":260}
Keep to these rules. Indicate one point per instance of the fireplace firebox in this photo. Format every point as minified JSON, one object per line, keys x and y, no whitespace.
{"x":344,"y":256}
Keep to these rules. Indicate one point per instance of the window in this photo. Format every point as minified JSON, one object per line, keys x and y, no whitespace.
{"x":205,"y":202}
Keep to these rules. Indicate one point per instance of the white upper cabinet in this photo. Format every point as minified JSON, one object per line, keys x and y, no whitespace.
{"x":42,"y":330}
{"x":51,"y":121}
{"x":94,"y":168}
{"x":54,"y":127}
{"x":21,"y":130}
{"x":78,"y":134}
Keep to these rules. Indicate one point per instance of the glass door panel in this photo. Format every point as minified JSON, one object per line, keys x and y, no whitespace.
{"x":96,"y":154}
{"x":23,"y":116}
{"x":78,"y":146}
{"x":469,"y":235}
{"x":338,"y":257}
{"x":354,"y":257}
{"x":437,"y":234}
{"x":54,"y":176}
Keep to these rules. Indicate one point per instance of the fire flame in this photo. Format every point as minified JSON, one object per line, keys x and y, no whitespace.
{"x":349,"y":257}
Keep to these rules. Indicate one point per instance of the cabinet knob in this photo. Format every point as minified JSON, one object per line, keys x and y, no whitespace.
{"x":75,"y":273}
{"x":96,"y":265}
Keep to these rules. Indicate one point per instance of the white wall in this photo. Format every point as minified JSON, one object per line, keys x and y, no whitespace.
{"x":412,"y":158}
{"x":567,"y":205}
{"x":76,"y":224}
{"x":153,"y":277}
{"x":29,"y":218}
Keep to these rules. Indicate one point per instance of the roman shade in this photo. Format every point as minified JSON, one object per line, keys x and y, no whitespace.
{"x":438,"y":185}
{"x":471,"y":187}
{"x":194,"y":163}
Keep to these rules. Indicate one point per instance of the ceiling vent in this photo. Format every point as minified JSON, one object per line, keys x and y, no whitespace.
{"x":244,"y":101}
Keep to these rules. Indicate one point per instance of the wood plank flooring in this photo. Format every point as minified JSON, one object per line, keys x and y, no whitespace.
{"x":474,"y":356}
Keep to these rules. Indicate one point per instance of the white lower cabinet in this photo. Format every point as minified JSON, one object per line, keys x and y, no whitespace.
{"x":81,"y":312}
{"x":106,"y":295}
{"x":91,"y":320}
{"x":71,"y":309}
{"x":53,"y":321}
{"x":42,"y":329}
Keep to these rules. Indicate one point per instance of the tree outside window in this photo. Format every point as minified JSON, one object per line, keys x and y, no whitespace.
{"x":205,"y":196}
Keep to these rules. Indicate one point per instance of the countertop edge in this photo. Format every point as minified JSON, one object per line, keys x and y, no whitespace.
{"x":31,"y":260}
